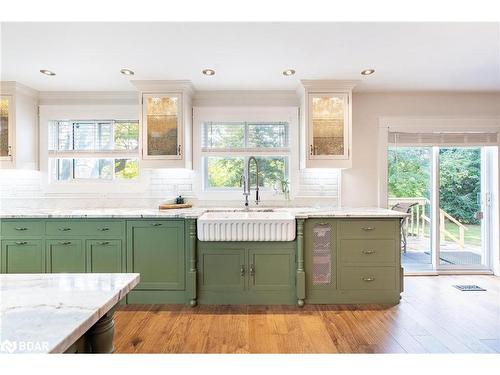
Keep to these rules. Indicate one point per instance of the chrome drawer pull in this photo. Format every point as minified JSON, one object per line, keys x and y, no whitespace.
{"x":21,"y":242}
{"x":368,"y":279}
{"x":104,"y":243}
{"x":156,"y":224}
{"x":103,"y":229}
{"x":21,"y":228}
{"x":242,"y":271}
{"x":252,"y":270}
{"x":368,"y":228}
{"x":64,"y":229}
{"x":65,"y":243}
{"x":368,"y":252}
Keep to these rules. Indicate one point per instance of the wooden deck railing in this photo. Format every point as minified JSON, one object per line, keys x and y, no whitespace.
{"x":418,"y":220}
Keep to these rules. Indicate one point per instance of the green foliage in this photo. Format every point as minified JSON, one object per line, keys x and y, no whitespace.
{"x":460,"y":178}
{"x":126,"y":168}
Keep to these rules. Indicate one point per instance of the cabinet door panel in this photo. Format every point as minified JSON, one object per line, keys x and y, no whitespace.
{"x":155,"y":249}
{"x":320,"y":254}
{"x":105,"y":256}
{"x":24,"y":256}
{"x":5,"y":127}
{"x":222,"y":269}
{"x":65,"y":256}
{"x":271,"y":269}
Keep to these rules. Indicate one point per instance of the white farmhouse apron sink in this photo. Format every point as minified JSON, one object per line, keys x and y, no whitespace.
{"x":246,"y":226}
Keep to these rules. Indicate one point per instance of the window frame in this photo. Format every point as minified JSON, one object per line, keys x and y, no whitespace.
{"x":249,"y":115}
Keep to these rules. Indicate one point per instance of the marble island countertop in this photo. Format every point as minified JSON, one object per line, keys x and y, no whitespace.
{"x":195,"y":212}
{"x":47,"y":313}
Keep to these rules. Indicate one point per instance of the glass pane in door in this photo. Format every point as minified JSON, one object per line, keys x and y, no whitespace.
{"x":460,"y":207}
{"x":4,"y":127}
{"x":328,"y":125}
{"x":162,"y":119}
{"x":409,"y":190}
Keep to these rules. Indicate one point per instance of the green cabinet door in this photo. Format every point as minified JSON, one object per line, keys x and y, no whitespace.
{"x":271,"y":269}
{"x":105,"y":256}
{"x":155,"y":249}
{"x":221,"y":268}
{"x":65,"y":256}
{"x":23,"y":256}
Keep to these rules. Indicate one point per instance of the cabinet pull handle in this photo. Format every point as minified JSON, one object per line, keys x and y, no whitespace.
{"x":64,"y":229}
{"x":9,"y":150}
{"x":368,"y":279}
{"x":311,"y":149}
{"x":368,"y":228}
{"x":368,"y":252}
{"x":156,"y":224}
{"x":179,"y":148}
{"x":242,"y":270}
{"x":21,"y":228}
{"x":252,"y":270}
{"x":104,"y":229}
{"x":104,"y":243}
{"x":322,"y":223}
{"x":64,"y":243}
{"x":21,"y":242}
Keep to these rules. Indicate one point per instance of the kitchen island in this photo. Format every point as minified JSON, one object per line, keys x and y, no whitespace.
{"x":335,"y":256}
{"x":57,"y":313}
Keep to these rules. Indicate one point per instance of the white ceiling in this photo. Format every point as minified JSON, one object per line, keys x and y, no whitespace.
{"x":406,"y":56}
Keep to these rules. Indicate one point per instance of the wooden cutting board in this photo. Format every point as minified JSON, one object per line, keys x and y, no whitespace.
{"x":171,"y":206}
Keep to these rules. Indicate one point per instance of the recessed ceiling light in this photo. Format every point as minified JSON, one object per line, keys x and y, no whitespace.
{"x":208,"y":72}
{"x":288,"y":72}
{"x":367,"y":72}
{"x":127,"y":72}
{"x":47,"y":72}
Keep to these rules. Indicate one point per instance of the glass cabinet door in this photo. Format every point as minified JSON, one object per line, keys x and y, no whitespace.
{"x":162,"y":126}
{"x":328,"y":126}
{"x":4,"y":127}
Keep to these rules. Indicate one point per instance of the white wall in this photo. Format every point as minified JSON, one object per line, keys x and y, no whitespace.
{"x":360,"y":183}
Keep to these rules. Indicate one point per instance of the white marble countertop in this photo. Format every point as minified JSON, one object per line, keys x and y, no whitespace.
{"x":195,"y":212}
{"x":47,"y":313}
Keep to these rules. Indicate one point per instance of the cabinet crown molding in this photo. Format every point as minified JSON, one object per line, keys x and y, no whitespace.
{"x":153,"y":86}
{"x":327,"y":85}
{"x":13,"y":87}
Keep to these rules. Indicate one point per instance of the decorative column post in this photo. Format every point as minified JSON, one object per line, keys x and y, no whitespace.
{"x":100,"y":335}
{"x":301,"y":276}
{"x":191,"y":247}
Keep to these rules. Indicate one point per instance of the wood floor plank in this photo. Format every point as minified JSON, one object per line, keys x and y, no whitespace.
{"x":433,"y":317}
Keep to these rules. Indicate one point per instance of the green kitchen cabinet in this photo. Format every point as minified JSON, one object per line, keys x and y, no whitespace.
{"x":65,"y":256}
{"x":271,"y":269}
{"x":222,"y":269}
{"x":155,"y":249}
{"x":105,"y":256}
{"x":22,"y":256}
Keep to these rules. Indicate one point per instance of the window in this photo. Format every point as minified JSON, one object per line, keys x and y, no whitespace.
{"x":94,"y":150}
{"x":226,"y":147}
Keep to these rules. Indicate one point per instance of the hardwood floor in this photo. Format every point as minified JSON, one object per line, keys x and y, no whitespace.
{"x":433,"y":317}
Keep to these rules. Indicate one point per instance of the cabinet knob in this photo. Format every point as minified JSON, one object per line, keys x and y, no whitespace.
{"x":368,"y":252}
{"x":21,"y":228}
{"x":242,"y":270}
{"x":21,"y":242}
{"x":368,"y":279}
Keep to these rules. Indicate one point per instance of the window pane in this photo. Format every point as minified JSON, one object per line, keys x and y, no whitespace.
{"x":328,"y":125}
{"x":223,"y":135}
{"x":93,"y":169}
{"x":224,"y":172}
{"x":104,"y":136}
{"x":272,"y":170}
{"x":126,"y":169}
{"x":62,"y":169}
{"x":267,"y":135}
{"x":126,"y":135}
{"x":162,"y":115}
{"x":4,"y":127}
{"x":84,"y":136}
{"x":64,"y":136}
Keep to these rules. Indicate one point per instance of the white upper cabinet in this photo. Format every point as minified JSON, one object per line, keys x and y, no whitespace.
{"x":326,"y":124}
{"x":18,"y":126}
{"x":166,"y":123}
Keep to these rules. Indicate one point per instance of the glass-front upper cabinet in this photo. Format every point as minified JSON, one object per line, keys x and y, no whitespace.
{"x":328,"y":126}
{"x":162,"y":126}
{"x":5,"y":127}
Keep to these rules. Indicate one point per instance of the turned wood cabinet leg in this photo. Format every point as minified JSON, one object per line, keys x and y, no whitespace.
{"x":192,"y":273}
{"x":301,"y":276}
{"x":100,"y":336}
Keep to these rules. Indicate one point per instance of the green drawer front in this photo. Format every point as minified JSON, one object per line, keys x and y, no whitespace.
{"x":368,"y":278}
{"x":368,"y":228}
{"x":84,"y":228}
{"x":368,"y":251}
{"x":21,"y":229}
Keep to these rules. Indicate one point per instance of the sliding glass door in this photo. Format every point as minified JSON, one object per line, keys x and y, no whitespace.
{"x":445,"y":191}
